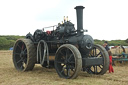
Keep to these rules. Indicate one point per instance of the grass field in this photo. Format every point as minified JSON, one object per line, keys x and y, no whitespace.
{"x":42,"y":76}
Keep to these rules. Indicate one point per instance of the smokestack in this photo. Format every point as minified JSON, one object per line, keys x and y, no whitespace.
{"x":79,"y":13}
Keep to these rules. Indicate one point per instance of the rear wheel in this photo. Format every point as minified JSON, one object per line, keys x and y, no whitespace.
{"x":68,"y":62}
{"x":24,"y":55}
{"x":99,"y":51}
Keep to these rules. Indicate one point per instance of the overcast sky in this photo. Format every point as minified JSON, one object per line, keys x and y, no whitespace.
{"x":104,"y":19}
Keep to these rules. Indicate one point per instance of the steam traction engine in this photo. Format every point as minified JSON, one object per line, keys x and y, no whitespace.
{"x":67,"y":50}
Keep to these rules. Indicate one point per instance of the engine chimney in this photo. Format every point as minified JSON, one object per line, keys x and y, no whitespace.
{"x":79,"y":13}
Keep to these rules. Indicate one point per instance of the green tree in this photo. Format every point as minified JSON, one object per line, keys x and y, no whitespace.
{"x":8,"y":41}
{"x":3,"y":43}
{"x":126,"y":40}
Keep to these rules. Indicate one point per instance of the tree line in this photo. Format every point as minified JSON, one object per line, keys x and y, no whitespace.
{"x":7,"y":42}
{"x":112,"y":42}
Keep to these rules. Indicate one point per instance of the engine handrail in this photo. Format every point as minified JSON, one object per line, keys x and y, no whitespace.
{"x":49,"y":27}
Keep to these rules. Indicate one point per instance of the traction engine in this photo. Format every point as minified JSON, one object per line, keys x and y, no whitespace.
{"x":67,"y":50}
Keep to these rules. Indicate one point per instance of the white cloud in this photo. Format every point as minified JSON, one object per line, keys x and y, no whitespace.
{"x":107,"y":19}
{"x":104,"y":19}
{"x":18,"y":17}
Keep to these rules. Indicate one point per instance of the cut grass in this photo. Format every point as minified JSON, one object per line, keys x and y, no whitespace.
{"x":43,"y":76}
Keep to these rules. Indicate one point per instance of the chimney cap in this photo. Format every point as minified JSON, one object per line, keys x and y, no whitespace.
{"x":79,"y":7}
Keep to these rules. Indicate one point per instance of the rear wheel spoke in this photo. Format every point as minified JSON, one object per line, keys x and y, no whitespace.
{"x":25,"y":60}
{"x":89,"y":70}
{"x":25,"y":49}
{"x":62,"y":53}
{"x":96,"y":69}
{"x":22,"y":67}
{"x":67,"y":54}
{"x":68,"y":72}
{"x":98,"y":54}
{"x":100,"y":66}
{"x":17,"y":53}
{"x":90,"y":55}
{"x":95,"y":52}
{"x":62,"y":71}
{"x":22,"y":47}
{"x":19,"y":61}
{"x":63,"y":68}
{"x":19,"y":46}
{"x":70,"y":57}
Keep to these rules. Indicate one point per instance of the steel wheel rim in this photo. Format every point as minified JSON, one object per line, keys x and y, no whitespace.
{"x":97,"y":69}
{"x":65,"y":62}
{"x":20,"y":55}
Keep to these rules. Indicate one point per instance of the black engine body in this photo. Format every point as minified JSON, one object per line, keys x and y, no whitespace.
{"x":65,"y":34}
